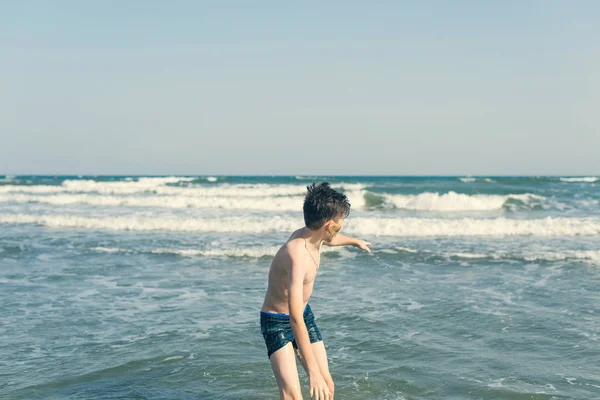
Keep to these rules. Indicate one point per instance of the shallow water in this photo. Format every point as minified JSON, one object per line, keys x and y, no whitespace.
{"x":117,"y":287}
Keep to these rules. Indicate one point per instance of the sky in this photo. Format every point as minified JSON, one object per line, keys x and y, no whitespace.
{"x":287,"y":88}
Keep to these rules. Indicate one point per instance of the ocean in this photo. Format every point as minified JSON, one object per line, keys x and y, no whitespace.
{"x":129,"y":287}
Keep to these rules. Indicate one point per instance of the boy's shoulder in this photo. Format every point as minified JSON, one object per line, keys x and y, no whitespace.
{"x":293,"y":248}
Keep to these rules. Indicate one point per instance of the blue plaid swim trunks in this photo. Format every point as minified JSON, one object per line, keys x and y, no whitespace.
{"x":277,"y":331}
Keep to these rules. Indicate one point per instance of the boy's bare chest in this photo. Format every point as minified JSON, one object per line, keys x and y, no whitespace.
{"x":309,"y":279}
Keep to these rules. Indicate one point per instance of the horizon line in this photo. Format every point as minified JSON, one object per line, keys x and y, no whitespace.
{"x":298,"y":175}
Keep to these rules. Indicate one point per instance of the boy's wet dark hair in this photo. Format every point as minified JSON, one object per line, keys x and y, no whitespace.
{"x":322,"y":203}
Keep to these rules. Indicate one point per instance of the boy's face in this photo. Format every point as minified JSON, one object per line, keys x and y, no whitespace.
{"x":333,"y":227}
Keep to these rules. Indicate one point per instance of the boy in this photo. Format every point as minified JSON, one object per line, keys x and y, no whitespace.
{"x":286,"y":320}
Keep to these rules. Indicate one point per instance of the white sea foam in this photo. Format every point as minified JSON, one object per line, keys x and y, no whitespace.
{"x":279,"y":203}
{"x":173,"y":358}
{"x":159,"y":186}
{"x":141,"y":184}
{"x":496,"y":383}
{"x":356,"y":198}
{"x":585,"y":255}
{"x":169,"y":224}
{"x":349,"y":186}
{"x":367,"y":227}
{"x":111,"y":250}
{"x":588,"y":203}
{"x":211,"y":179}
{"x":154,"y":193}
{"x":130,"y":188}
{"x":126,"y":186}
{"x":256,"y":198}
{"x":470,"y":179}
{"x":468,"y":255}
{"x":532,"y":255}
{"x":453,"y":201}
{"x":589,"y":179}
{"x":387,"y":251}
{"x":414,"y":305}
{"x":406,"y":249}
{"x":235,"y":252}
{"x":424,"y":227}
{"x":31,"y":189}
{"x":252,"y":252}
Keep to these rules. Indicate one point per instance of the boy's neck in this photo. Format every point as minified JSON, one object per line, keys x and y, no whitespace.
{"x":312,"y":237}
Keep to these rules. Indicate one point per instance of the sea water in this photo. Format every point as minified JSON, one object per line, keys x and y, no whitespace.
{"x":126,"y":287}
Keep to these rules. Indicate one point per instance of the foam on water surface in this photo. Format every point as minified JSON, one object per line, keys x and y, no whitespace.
{"x":409,"y":227}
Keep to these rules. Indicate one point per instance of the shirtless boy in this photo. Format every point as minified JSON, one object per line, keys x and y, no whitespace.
{"x":286,"y":320}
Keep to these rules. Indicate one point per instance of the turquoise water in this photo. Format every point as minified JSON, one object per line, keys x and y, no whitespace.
{"x":150,"y":287}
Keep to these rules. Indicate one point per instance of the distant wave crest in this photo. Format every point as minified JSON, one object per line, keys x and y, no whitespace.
{"x":453,"y":201}
{"x":588,"y":179}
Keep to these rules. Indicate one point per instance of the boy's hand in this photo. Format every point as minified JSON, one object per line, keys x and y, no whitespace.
{"x":318,"y":387}
{"x":361,"y":244}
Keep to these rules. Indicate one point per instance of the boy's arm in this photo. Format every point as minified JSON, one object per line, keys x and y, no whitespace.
{"x":341,"y":240}
{"x":298,"y":270}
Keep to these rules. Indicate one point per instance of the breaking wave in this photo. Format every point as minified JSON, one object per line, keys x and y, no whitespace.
{"x":161,"y":186}
{"x":283,"y":197}
{"x":453,"y":201}
{"x":588,"y":179}
{"x":367,"y":227}
{"x":280,"y":203}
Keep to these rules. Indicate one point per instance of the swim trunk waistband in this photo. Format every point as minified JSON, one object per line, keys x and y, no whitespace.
{"x":287,"y":316}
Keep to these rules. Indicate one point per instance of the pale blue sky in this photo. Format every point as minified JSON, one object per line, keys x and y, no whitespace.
{"x":270,"y":87}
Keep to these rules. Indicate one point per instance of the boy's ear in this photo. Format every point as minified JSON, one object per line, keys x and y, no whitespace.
{"x":327,"y":225}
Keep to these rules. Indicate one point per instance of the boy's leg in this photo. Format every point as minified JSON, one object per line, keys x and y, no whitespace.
{"x":283,"y":364}
{"x":318,"y":349}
